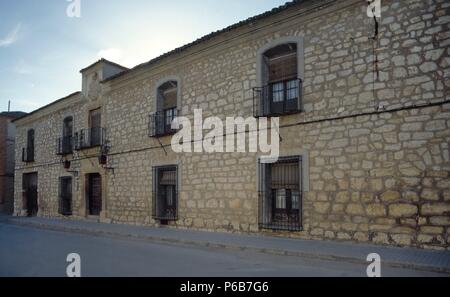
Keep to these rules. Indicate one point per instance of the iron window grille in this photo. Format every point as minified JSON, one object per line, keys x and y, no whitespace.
{"x":280,"y":195}
{"x":278,"y":98}
{"x":65,"y":196}
{"x":160,"y":123}
{"x":165,"y":193}
{"x":89,"y":138}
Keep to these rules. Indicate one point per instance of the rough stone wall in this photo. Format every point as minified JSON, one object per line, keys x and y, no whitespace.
{"x":380,"y":177}
{"x":6,"y":164}
{"x":47,"y":163}
{"x":3,"y":155}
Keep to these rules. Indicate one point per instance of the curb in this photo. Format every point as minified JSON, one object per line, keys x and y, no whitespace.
{"x":204,"y":244}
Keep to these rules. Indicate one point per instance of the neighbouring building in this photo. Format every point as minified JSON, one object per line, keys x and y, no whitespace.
{"x":7,"y":160}
{"x":364,"y":109}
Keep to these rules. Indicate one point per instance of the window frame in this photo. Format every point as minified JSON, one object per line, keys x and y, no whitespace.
{"x":158,"y":126}
{"x":157,"y":170}
{"x":262,"y":94}
{"x":61,"y":209}
{"x":29,"y":151}
{"x":267,"y":207}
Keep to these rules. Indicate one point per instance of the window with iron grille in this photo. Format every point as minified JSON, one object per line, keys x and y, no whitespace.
{"x":280,"y":194}
{"x":280,"y":92}
{"x":167,"y":99}
{"x":165,"y":193}
{"x":65,"y":196}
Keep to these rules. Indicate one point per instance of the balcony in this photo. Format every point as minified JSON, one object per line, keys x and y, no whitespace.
{"x":279,"y":98}
{"x":160,"y":123}
{"x":89,"y":138}
{"x":28,"y":155}
{"x":65,"y":146}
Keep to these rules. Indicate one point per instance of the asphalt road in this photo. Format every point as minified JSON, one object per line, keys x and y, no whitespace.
{"x":26,"y":251}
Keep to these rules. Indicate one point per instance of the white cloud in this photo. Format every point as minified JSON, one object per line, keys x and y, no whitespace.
{"x":12,"y":36}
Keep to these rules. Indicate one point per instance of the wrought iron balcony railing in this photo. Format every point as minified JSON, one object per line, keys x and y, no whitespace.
{"x":89,"y":138}
{"x":279,"y":98}
{"x":65,"y":145}
{"x":160,"y":123}
{"x":28,"y":154}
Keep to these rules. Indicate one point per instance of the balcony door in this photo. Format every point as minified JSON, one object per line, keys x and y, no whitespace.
{"x":67,"y":135}
{"x":95,"y":124}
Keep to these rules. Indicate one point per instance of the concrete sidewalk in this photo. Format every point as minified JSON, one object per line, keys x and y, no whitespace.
{"x":425,"y":260}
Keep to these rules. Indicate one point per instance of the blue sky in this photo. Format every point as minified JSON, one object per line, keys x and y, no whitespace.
{"x":42,"y":49}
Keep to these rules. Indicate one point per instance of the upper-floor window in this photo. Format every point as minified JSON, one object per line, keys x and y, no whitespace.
{"x":65,"y":143}
{"x":280,"y":84}
{"x":95,"y":135}
{"x":95,"y":127}
{"x":166,"y":109}
{"x":28,"y":151}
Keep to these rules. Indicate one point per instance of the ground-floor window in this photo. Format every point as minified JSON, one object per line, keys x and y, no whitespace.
{"x":280,"y":192}
{"x":65,"y":196}
{"x":94,"y":194}
{"x":165,"y":193}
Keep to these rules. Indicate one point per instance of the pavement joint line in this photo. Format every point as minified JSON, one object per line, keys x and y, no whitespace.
{"x":271,"y":251}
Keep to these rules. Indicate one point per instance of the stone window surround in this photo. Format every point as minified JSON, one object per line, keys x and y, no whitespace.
{"x":65,"y":117}
{"x":163,"y":81}
{"x":276,"y":42}
{"x":178,"y":166}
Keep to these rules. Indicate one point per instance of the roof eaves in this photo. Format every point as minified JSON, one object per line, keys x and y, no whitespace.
{"x":104,"y":61}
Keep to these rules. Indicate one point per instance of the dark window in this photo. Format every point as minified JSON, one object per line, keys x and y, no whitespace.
{"x":94,"y":136}
{"x":65,"y":196}
{"x":94,"y":193}
{"x":281,"y":194}
{"x":30,"y":193}
{"x":161,"y":120}
{"x":95,"y":127}
{"x":165,"y":193}
{"x":28,"y":151}
{"x":65,"y":143}
{"x":281,"y":90}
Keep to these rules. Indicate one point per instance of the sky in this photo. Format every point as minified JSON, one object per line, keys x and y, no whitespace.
{"x":42,"y":49}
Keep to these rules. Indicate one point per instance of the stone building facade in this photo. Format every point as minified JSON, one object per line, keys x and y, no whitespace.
{"x":364,"y":115}
{"x":7,"y":158}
